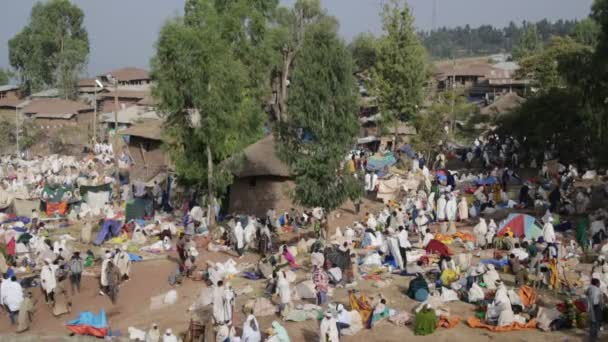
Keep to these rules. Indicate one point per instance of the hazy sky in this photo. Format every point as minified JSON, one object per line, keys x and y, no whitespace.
{"x":123,"y":32}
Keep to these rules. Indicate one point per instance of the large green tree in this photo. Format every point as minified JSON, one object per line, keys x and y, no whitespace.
{"x":52,"y":49}
{"x":364,"y":50}
{"x":401,"y":71}
{"x":208,"y":84}
{"x":529,"y":43}
{"x":322,"y":123}
{"x":5,"y":77}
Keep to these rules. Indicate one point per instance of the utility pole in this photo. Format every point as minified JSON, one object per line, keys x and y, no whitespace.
{"x":453,"y":92}
{"x":17,"y":128}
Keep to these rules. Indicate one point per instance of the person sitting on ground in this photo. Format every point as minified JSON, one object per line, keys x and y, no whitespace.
{"x":418,"y":288}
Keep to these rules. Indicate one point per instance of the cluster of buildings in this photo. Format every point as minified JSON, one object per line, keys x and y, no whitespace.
{"x":119,"y":102}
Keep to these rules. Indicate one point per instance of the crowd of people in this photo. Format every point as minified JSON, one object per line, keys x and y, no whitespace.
{"x":441,"y":234}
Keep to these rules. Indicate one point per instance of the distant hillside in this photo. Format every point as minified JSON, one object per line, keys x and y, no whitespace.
{"x":486,"y":40}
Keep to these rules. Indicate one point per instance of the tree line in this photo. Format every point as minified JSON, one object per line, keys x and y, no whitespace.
{"x":466,"y":41}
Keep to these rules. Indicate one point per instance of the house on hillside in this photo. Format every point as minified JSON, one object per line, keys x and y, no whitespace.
{"x":59,"y":113}
{"x":126,"y":98}
{"x":127,"y":117}
{"x":144,"y":145}
{"x":128,"y":77}
{"x":262,"y":182}
{"x":9,"y":101}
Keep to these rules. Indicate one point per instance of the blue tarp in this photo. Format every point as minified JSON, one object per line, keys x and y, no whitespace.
{"x":90,"y":319}
{"x":407,"y":149}
{"x":487,"y":181}
{"x":133,"y":257}
{"x":109,"y":229}
{"x":497,"y":263}
{"x":379,"y":163}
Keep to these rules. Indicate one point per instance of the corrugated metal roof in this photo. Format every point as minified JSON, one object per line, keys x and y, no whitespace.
{"x":8,"y":87}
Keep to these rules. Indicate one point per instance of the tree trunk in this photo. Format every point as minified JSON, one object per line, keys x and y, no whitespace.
{"x":396,"y":135}
{"x":210,"y":209}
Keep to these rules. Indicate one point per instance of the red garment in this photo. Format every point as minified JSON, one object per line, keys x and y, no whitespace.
{"x":10,"y":247}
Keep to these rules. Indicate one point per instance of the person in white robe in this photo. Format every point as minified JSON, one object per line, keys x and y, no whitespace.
{"x":491,"y":277}
{"x":219,"y":309}
{"x":480,"y":231}
{"x":549,"y":231}
{"x":12,"y":297}
{"x":506,"y":316}
{"x":104,"y":273}
{"x":251,"y":330}
{"x":329,"y":329}
{"x":228,"y":299}
{"x":374,"y":182}
{"x":284,"y":293}
{"x":169,"y":336}
{"x":239,"y":235}
{"x":428,"y":236}
{"x":123,"y":262}
{"x":441,"y":204}
{"x":430,"y":202}
{"x":463,"y":209}
{"x":249,"y":232}
{"x":48,"y":280}
{"x":451,"y":208}
{"x":368,"y":182}
{"x":371,"y":222}
{"x":153,"y":335}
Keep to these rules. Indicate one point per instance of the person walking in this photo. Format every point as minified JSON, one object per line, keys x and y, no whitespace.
{"x":76,"y":265}
{"x":594,"y":308}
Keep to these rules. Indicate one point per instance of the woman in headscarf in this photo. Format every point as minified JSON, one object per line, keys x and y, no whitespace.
{"x":239,"y":236}
{"x":329,"y":329}
{"x":48,"y":280}
{"x":279,"y":333}
{"x":480,"y":231}
{"x":441,"y":204}
{"x":251,"y":330}
{"x":463,"y":209}
{"x":451,"y":208}
{"x":284,"y":293}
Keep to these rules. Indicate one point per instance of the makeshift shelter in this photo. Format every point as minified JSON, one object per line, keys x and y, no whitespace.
{"x":138,"y":209}
{"x":377,"y":163}
{"x":262,"y":181}
{"x":520,"y":225}
{"x":109,"y":229}
{"x":96,"y":196}
{"x":504,"y":104}
{"x":89,"y":323}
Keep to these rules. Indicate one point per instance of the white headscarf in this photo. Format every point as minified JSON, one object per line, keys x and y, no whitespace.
{"x":251,"y":330}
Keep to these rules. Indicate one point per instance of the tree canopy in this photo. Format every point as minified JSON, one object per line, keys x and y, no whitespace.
{"x":364,"y":49}
{"x":52,"y":49}
{"x":465,"y":41}
{"x":208,"y":73}
{"x":322,"y":122}
{"x":529,"y":43}
{"x":401,"y":72}
{"x":5,"y":77}
{"x":569,"y":108}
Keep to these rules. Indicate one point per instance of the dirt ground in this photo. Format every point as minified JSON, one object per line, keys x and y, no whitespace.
{"x":149,"y":279}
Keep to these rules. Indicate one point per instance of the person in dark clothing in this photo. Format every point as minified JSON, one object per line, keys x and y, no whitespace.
{"x":554,"y":199}
{"x":594,"y":309}
{"x":524,"y":196}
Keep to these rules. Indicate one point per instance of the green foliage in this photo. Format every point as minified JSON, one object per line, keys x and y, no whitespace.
{"x":430,"y":133}
{"x":587,"y":32}
{"x":5,"y":77}
{"x":529,"y":43}
{"x":52,"y":49}
{"x":322,"y":122}
{"x":546,"y":69}
{"x":401,"y":70}
{"x":570,"y":110}
{"x":209,"y":69}
{"x":364,"y":50}
{"x":484,"y":40}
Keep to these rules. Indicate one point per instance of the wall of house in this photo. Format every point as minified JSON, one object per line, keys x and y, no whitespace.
{"x":10,"y":94}
{"x":147,"y":152}
{"x":7,"y":114}
{"x":109,"y":102}
{"x":255,"y":195}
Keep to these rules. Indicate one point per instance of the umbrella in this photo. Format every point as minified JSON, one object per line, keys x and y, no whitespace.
{"x":520,"y":225}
